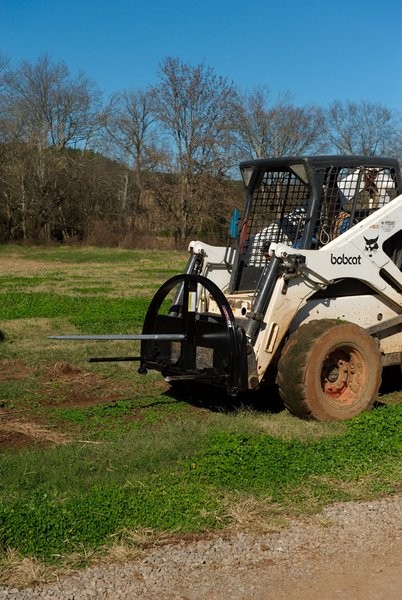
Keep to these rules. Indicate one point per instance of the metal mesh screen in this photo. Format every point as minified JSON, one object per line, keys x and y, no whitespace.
{"x":348,"y":196}
{"x":277,"y":214}
{"x":281,"y":207}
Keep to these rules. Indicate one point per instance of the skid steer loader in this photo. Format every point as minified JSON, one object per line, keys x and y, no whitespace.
{"x":307,"y":293}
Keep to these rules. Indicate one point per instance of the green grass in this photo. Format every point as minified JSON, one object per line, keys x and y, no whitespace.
{"x":78,"y":495}
{"x":107,"y":421}
{"x":58,"y":270}
{"x":49,"y":530}
{"x":9,"y":282}
{"x":268,"y":465}
{"x":90,"y":315}
{"x":138,"y":457}
{"x":90,"y":255}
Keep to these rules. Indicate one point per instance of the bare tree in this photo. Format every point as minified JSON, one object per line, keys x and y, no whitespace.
{"x":50,"y":108}
{"x":45,"y":111}
{"x":298,"y":130}
{"x":264,"y":129}
{"x":193,"y":106}
{"x":129,"y":122}
{"x":363,"y":128}
{"x":3,"y":99}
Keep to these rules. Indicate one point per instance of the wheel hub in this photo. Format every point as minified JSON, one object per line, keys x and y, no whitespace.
{"x":333,"y":374}
{"x":339,"y":377}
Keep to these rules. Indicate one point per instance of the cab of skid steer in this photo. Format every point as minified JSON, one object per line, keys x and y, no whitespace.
{"x":305,"y":202}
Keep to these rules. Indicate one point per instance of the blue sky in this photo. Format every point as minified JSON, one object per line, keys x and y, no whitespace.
{"x":318,"y":51}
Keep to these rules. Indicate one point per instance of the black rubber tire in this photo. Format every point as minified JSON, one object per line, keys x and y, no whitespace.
{"x":329,"y":370}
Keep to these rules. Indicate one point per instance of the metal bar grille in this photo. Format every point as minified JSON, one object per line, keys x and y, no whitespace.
{"x":281,"y":206}
{"x":348,"y":196}
{"x":277,"y":214}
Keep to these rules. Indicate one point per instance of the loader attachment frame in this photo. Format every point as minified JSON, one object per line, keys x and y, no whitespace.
{"x":213,"y":349}
{"x":186,"y":344}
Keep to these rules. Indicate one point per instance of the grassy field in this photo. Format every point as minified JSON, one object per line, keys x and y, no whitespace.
{"x":97,"y":460}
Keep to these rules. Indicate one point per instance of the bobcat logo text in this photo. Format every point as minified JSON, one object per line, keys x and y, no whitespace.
{"x":345,"y":260}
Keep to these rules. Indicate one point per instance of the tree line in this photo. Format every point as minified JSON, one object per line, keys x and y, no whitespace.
{"x":156,"y":165}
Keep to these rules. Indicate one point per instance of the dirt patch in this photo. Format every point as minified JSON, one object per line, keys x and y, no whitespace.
{"x":68,"y":385}
{"x":63,"y":369}
{"x":14,"y":369}
{"x":20,"y":434}
{"x":61,"y":385}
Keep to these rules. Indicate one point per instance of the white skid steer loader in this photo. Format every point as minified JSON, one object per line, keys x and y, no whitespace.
{"x":307,"y":293}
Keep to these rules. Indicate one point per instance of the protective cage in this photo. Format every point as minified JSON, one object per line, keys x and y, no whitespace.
{"x":306,"y":203}
{"x":213,"y":348}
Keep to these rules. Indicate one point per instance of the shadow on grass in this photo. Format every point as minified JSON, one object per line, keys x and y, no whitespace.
{"x":266,"y":400}
{"x":391,"y":380}
{"x":391,"y":386}
{"x":214,"y":399}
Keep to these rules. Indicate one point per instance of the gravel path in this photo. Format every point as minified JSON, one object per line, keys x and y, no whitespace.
{"x":350,"y":551}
